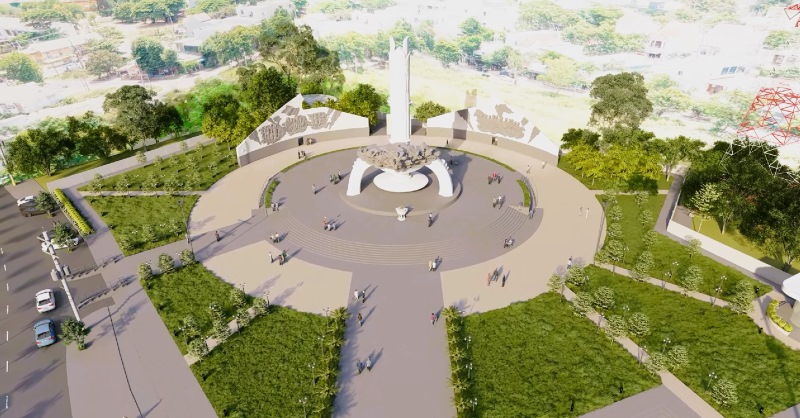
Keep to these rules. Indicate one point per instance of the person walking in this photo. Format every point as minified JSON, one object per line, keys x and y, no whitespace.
{"x":360,"y":319}
{"x":369,"y":364}
{"x":356,"y":295}
{"x":503,"y":282}
{"x":363,"y":296}
{"x":569,"y":262}
{"x":216,"y":235}
{"x":430,"y":265}
{"x":271,"y":258}
{"x":359,"y":366}
{"x":489,"y":279}
{"x":528,"y":169}
{"x":433,"y":318}
{"x":314,"y":188}
{"x":587,"y":213}
{"x":430,"y":220}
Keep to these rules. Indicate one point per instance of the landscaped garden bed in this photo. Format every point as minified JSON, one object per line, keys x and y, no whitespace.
{"x":194,"y":170}
{"x":719,"y":342}
{"x":140,"y":223}
{"x":188,"y":291}
{"x":263,"y":370}
{"x":537,"y":358}
{"x":670,"y":259}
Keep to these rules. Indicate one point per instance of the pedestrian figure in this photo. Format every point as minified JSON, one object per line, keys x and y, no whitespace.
{"x":544,"y":163}
{"x":569,"y":262}
{"x":499,"y":179}
{"x":430,"y":265}
{"x":503,"y":282}
{"x":435,"y":263}
{"x":363,"y":296}
{"x":330,"y":177}
{"x":339,"y":174}
{"x":490,"y":180}
{"x":489,"y":279}
{"x":359,"y":366}
{"x":360,"y":319}
{"x":281,"y":260}
{"x":314,"y":188}
{"x":369,"y":364}
{"x":528,"y":169}
{"x":494,"y":202}
{"x":271,"y":258}
{"x":430,"y":220}
{"x":433,"y":318}
{"x":356,"y":294}
{"x":285,"y":257}
{"x":587,"y":213}
{"x":530,"y":213}
{"x":298,"y":155}
{"x":216,"y":235}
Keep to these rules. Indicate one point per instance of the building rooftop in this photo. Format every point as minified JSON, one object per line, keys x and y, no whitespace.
{"x":62,"y":43}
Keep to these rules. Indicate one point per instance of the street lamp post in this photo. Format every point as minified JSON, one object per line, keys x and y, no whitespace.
{"x":716,"y":295}
{"x":664,"y":280}
{"x":474,"y":402}
{"x":312,"y":366}
{"x":469,"y":370}
{"x":600,"y":320}
{"x":711,"y":376}
{"x":186,"y":227}
{"x":666,"y":343}
{"x":468,"y":339}
{"x":303,"y":402}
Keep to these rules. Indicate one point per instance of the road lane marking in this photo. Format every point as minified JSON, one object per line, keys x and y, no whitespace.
{"x":1,"y":250}
{"x":6,"y":401}
{"x":4,"y":267}
{"x":6,"y":366}
{"x":6,"y":335}
{"x":6,"y":287}
{"x":6,"y":309}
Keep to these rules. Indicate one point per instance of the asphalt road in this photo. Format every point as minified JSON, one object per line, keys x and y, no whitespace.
{"x":34,"y":380}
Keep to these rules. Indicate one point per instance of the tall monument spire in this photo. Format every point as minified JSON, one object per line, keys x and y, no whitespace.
{"x":399,"y":92}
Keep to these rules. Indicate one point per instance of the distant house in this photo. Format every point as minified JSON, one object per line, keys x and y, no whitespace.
{"x":60,"y":51}
{"x":674,"y":39}
{"x":264,"y":9}
{"x":201,"y":27}
{"x":11,"y":27}
{"x":539,"y":41}
{"x":29,"y":97}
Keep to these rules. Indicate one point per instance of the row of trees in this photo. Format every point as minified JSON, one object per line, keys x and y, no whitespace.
{"x":593,"y":28}
{"x":742,"y":185}
{"x":130,"y":11}
{"x":135,"y":116}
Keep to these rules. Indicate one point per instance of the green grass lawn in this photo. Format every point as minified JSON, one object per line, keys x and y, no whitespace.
{"x":195,"y":170}
{"x":765,"y":371}
{"x":661,"y":184}
{"x":140,"y":223}
{"x":732,"y":238}
{"x":666,"y":252}
{"x":262,"y":371}
{"x":188,"y":291}
{"x":66,"y":172}
{"x":534,"y":358}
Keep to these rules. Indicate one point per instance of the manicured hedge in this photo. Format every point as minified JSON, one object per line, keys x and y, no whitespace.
{"x":270,"y":190}
{"x":69,"y":209}
{"x":526,"y":194}
{"x":772,"y":312}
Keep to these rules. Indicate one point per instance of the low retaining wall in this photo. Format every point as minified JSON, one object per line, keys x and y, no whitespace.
{"x":295,"y":142}
{"x":751,"y":264}
{"x":466,"y":135}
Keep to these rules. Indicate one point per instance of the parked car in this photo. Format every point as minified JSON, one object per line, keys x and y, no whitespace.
{"x":45,"y":332}
{"x":27,"y":200}
{"x":30,"y":210}
{"x":45,"y":300}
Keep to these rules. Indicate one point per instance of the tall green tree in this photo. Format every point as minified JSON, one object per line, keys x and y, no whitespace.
{"x":447,"y":53}
{"x":110,"y":39}
{"x":21,"y":67}
{"x":471,"y":27}
{"x":93,"y":138}
{"x":665,"y":95}
{"x":265,"y":90}
{"x":221,"y":118}
{"x":135,"y":112}
{"x":236,"y":44}
{"x":41,"y":15}
{"x":35,"y":150}
{"x":544,"y":15}
{"x":620,"y":100}
{"x":362,"y":101}
{"x":561,"y":72}
{"x":675,"y":150}
{"x":705,"y":202}
{"x":148,"y":53}
{"x":103,"y":62}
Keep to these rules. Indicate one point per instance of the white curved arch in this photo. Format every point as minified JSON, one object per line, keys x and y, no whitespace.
{"x":439,"y":168}
{"x":356,"y":174}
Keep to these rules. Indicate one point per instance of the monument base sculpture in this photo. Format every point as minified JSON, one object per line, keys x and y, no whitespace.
{"x":400,"y":182}
{"x":401,"y":213}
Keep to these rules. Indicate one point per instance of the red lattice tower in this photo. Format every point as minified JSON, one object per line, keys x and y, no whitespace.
{"x":793,"y":11}
{"x":773,"y":117}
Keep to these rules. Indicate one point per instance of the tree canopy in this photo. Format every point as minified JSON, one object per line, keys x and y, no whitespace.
{"x":447,"y":53}
{"x":620,"y":100}
{"x":428,"y":110}
{"x":138,"y":115}
{"x":151,"y":56}
{"x":40,"y":15}
{"x":143,"y":10}
{"x":264,"y":90}
{"x":21,"y":67}
{"x":35,"y":150}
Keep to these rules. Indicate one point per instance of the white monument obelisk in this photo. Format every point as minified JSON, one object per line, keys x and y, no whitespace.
{"x":399,"y":92}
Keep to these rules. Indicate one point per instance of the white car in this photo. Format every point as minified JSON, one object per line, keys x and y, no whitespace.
{"x":27,"y":200}
{"x":45,"y":300}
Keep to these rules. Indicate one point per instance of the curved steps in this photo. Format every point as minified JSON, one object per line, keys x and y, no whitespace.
{"x":329,"y":245}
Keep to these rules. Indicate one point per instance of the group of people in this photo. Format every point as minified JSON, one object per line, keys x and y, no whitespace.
{"x":508,"y":242}
{"x":274,"y":207}
{"x":335,"y":178}
{"x":434,"y":264}
{"x":494,"y":276}
{"x":366,"y":364}
{"x":359,"y":296}
{"x":498,"y":201}
{"x":282,"y":257}
{"x":276,"y":238}
{"x":495,"y":178}
{"x":301,"y":155}
{"x":328,"y":225}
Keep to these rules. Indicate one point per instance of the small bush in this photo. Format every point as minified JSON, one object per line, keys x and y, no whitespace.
{"x":198,"y":347}
{"x":187,"y":257}
{"x":270,"y":190}
{"x":69,"y":209}
{"x":772,"y":312}
{"x":145,"y":271}
{"x":166,"y":263}
{"x":526,"y":194}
